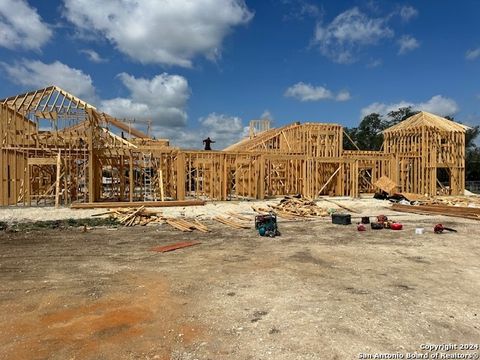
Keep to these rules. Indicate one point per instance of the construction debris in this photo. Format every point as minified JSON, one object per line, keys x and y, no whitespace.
{"x":132,"y":217}
{"x":142,"y":216}
{"x":294,"y":207}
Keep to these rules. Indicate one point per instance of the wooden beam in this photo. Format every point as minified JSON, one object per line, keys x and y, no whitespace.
{"x":42,"y":161}
{"x":121,"y":125}
{"x":181,"y":176}
{"x":119,"y":204}
{"x":160,"y":184}
{"x":57,"y":181}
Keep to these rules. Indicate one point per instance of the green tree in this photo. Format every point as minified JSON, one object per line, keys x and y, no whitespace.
{"x":367,"y":135}
{"x":472,"y":153}
{"x":395,"y":116}
{"x":350,"y":133}
{"x":470,"y":137}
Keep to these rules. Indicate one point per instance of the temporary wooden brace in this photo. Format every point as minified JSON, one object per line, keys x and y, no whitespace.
{"x":330,"y":179}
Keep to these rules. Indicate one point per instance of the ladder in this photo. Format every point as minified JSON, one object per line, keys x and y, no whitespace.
{"x":147,"y":177}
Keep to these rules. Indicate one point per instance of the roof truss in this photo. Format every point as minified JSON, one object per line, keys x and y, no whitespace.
{"x":47,"y":100}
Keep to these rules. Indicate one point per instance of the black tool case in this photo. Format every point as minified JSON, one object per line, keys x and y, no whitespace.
{"x":341,"y":219}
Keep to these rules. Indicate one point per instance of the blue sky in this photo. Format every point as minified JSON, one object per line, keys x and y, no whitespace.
{"x":207,"y":67}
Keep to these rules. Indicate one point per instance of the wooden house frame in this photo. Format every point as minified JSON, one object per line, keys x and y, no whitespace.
{"x":58,"y":149}
{"x":422,"y":145}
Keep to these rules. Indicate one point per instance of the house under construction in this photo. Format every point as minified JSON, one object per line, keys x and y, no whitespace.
{"x":57,"y":149}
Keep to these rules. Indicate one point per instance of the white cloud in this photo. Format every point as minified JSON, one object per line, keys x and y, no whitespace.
{"x":36,"y":74}
{"x":407,"y":13}
{"x":308,"y":92}
{"x":167,"y":32}
{"x":407,"y":43}
{"x":93,"y":56}
{"x":438,"y":104}
{"x":161,"y":99}
{"x":472,"y":54}
{"x":266,"y":115}
{"x":21,"y":26}
{"x":223,"y":129}
{"x":348,"y":32}
{"x":221,"y":124}
{"x":300,"y":9}
{"x":343,"y":95}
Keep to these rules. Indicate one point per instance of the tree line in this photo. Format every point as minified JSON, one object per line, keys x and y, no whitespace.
{"x":368,"y":136}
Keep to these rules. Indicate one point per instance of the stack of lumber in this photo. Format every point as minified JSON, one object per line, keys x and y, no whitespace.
{"x":240,"y":217}
{"x":186,"y":226}
{"x":234,"y":221}
{"x":131,"y":217}
{"x":455,"y":211}
{"x":294,"y":207}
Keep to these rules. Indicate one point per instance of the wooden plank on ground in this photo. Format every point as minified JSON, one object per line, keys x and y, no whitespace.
{"x":231,"y":223}
{"x":454,"y":211}
{"x":341,"y":206}
{"x":119,"y":204}
{"x":175,"y":224}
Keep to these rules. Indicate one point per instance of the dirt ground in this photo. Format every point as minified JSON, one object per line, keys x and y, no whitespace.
{"x":319,"y":291}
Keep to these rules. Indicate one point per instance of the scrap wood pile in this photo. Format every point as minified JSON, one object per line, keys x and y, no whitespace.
{"x":131,"y":217}
{"x":299,"y":207}
{"x":294,"y":208}
{"x":142,"y":216}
